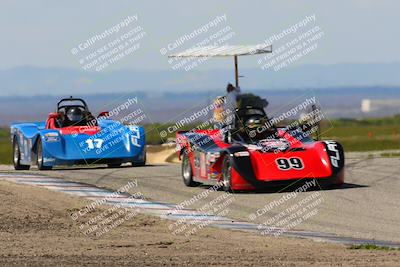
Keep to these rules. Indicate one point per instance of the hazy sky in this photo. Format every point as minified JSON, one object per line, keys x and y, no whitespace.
{"x":42,"y":33}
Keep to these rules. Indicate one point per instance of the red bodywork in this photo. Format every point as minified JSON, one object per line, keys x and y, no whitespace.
{"x":69,"y":130}
{"x":315,"y":160}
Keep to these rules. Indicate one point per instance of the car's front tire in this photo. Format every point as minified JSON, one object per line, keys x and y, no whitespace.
{"x":39,"y":159}
{"x":187,"y":172}
{"x":17,"y":157}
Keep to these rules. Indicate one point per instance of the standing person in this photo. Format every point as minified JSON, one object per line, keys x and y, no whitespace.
{"x":230,"y":109}
{"x":218,"y":116}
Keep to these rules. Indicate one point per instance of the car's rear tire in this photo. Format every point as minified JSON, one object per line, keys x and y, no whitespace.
{"x":17,"y":157}
{"x":187,"y":172}
{"x":39,"y":159}
{"x":226,"y":174}
{"x":141,"y":163}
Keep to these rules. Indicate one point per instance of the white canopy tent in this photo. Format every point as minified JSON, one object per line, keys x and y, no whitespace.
{"x":226,"y":51}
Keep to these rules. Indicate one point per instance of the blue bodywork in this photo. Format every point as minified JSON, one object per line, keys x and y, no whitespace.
{"x":113,"y":143}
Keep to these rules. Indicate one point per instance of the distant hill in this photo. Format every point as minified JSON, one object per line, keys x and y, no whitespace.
{"x":163,"y":107}
{"x":27,"y":81}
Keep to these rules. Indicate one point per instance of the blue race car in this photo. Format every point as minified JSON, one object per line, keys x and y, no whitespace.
{"x":72,"y":135}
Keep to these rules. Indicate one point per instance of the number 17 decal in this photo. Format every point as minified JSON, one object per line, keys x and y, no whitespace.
{"x":286,"y":164}
{"x":96,"y":143}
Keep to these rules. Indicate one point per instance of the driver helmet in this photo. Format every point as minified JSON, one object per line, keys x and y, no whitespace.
{"x":253,"y":122}
{"x":252,"y":126}
{"x":74,"y":115}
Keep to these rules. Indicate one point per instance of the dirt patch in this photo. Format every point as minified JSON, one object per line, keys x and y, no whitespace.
{"x":36,"y":229}
{"x":161,"y":154}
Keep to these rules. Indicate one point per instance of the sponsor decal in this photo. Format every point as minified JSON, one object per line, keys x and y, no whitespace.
{"x":46,"y":160}
{"x":334,"y":155}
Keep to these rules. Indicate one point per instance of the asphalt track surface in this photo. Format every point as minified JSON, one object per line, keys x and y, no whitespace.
{"x":366,"y":207}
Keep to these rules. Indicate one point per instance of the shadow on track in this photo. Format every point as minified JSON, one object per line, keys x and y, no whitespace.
{"x":292,"y":187}
{"x":96,"y":167}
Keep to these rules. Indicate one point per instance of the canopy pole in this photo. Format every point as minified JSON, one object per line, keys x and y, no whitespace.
{"x":236,"y":72}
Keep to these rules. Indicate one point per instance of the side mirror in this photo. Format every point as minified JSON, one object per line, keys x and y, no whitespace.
{"x":103,"y":114}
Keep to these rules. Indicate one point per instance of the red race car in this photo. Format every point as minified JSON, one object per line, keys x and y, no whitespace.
{"x":257,"y":154}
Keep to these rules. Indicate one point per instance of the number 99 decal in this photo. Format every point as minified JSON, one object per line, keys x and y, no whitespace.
{"x":290,"y":163}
